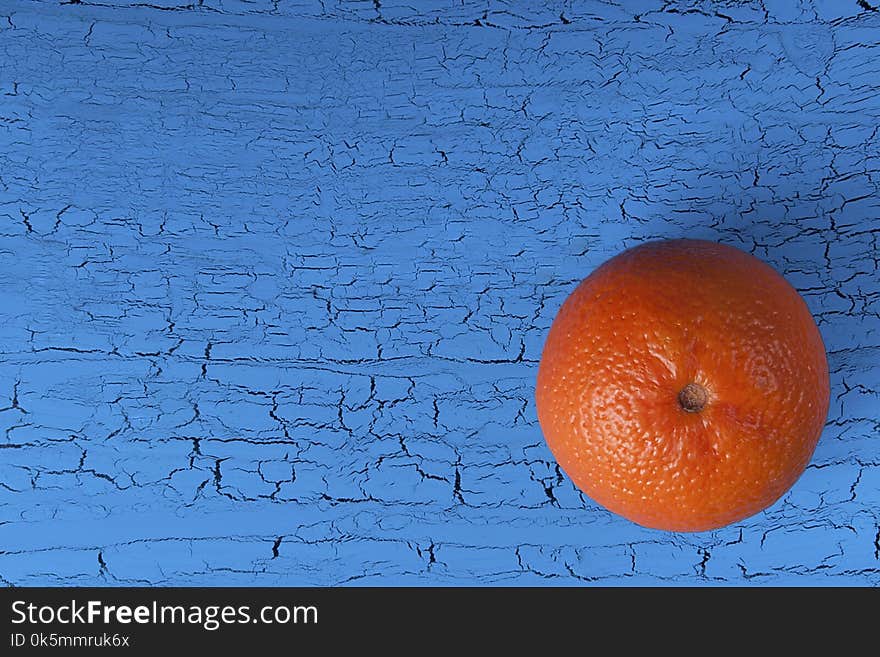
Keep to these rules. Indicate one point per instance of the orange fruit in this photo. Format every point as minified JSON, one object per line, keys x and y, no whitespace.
{"x":683,"y":385}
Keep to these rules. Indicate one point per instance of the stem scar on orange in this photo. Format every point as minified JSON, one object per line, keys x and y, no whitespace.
{"x":683,"y":385}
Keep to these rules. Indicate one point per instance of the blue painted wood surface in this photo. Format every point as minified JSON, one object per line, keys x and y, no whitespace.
{"x":275,"y":277}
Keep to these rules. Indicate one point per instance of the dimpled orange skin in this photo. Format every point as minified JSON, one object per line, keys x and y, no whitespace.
{"x":640,"y":328}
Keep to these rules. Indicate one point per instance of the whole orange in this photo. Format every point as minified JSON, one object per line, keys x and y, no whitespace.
{"x":683,"y":385}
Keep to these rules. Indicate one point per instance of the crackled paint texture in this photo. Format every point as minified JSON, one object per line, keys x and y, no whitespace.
{"x":276,"y":277}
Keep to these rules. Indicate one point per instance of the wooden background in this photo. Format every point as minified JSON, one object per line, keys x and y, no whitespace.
{"x":275,"y":277}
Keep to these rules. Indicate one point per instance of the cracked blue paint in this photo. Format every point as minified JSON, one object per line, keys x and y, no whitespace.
{"x":276,"y":276}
